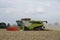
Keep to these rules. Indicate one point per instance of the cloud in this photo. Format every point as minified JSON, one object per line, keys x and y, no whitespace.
{"x":35,"y":9}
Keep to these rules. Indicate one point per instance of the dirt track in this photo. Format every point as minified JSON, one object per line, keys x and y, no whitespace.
{"x":29,"y":35}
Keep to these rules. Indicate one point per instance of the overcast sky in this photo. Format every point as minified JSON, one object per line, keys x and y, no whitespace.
{"x":12,"y":10}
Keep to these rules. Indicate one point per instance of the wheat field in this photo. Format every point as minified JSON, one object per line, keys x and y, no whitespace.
{"x":29,"y":35}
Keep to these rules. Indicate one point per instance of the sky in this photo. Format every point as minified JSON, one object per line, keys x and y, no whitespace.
{"x":12,"y":10}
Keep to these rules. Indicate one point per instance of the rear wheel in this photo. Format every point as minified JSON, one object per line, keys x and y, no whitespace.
{"x":39,"y":28}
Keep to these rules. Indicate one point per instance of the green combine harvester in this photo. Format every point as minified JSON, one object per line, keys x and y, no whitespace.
{"x":28,"y":24}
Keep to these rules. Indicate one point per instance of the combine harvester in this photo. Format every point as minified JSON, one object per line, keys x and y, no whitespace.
{"x":26,"y":24}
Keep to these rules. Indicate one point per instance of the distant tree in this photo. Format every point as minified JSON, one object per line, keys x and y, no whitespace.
{"x":2,"y":25}
{"x":8,"y":25}
{"x":49,"y":24}
{"x":56,"y":23}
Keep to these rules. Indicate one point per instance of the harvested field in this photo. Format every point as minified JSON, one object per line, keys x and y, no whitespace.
{"x":29,"y":35}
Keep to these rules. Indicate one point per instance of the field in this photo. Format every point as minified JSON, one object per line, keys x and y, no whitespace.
{"x":29,"y":35}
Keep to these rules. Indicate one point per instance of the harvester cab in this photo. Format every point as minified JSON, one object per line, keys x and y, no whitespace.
{"x":28,"y":24}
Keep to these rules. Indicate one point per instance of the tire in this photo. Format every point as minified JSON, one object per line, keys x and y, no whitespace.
{"x":39,"y":28}
{"x":43,"y":27}
{"x":26,"y":29}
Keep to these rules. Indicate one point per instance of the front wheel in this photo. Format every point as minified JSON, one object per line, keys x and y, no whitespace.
{"x":43,"y":27}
